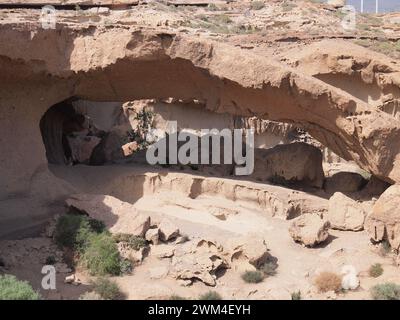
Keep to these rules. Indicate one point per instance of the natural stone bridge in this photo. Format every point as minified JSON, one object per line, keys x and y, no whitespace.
{"x":39,"y":68}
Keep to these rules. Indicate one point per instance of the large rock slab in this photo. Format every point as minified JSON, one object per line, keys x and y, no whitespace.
{"x":117,"y":215}
{"x":290,"y":163}
{"x":309,"y":229}
{"x":345,"y":214}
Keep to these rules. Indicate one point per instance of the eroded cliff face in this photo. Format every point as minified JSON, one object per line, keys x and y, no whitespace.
{"x":40,"y":68}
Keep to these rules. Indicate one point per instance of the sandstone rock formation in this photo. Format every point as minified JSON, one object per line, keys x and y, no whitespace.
{"x":223,"y":77}
{"x":345,"y":214}
{"x":309,"y":230}
{"x":344,"y":182}
{"x":118,"y":216}
{"x":291,"y":163}
{"x":384,"y":221}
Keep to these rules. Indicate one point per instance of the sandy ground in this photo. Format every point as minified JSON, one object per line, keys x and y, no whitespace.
{"x":198,"y":217}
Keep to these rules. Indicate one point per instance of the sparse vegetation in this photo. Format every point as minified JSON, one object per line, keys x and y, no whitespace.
{"x":386,"y":291}
{"x":101,"y":255}
{"x":107,"y":289}
{"x":269,"y":268}
{"x":176,"y":297}
{"x":210,"y":295}
{"x":252,"y":276}
{"x":296,"y":295}
{"x":144,"y":120}
{"x":257,"y":5}
{"x":13,"y":289}
{"x":375,"y":270}
{"x":328,"y":281}
{"x":73,"y":230}
{"x":134,"y":242}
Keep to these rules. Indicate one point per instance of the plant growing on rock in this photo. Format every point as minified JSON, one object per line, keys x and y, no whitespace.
{"x":13,"y":289}
{"x":328,"y":281}
{"x":375,"y":270}
{"x":252,"y":276}
{"x":210,"y":295}
{"x":386,"y":291}
{"x":107,"y":289}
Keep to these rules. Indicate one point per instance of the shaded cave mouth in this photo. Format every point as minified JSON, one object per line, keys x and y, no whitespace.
{"x":92,"y":133}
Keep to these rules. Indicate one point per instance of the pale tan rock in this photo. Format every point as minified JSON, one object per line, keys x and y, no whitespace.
{"x":294,"y":162}
{"x":309,"y":230}
{"x":248,"y":252}
{"x":163,"y":251}
{"x":129,"y":148}
{"x":167,"y":230}
{"x":118,"y":216}
{"x":345,"y":214}
{"x":152,"y":236}
{"x":384,"y":221}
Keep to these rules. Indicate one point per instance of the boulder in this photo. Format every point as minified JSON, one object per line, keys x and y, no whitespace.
{"x":117,"y":215}
{"x":345,"y":182}
{"x":109,"y":149}
{"x":82,"y":147}
{"x":345,"y":214}
{"x":247,"y":253}
{"x":294,"y":162}
{"x":198,"y":259}
{"x":375,"y":186}
{"x":167,"y":230}
{"x":309,"y":229}
{"x":384,"y":221}
{"x":152,"y":236}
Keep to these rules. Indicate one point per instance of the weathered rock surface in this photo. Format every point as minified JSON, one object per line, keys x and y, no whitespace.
{"x":344,"y":182}
{"x":345,"y":214}
{"x":118,"y":216}
{"x":309,"y":229}
{"x":294,"y":162}
{"x":384,"y":221}
{"x":167,"y":230}
{"x":198,"y":259}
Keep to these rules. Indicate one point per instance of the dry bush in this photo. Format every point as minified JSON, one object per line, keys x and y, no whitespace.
{"x":328,"y":281}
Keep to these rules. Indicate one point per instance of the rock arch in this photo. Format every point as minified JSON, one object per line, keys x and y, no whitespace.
{"x":124,"y":63}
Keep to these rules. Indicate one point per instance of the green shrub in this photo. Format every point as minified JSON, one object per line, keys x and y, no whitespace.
{"x":101,"y":255}
{"x":13,"y":289}
{"x":125,"y":266}
{"x":107,"y":289}
{"x":73,"y":230}
{"x":210,"y":295}
{"x":296,"y":295}
{"x":252,"y":276}
{"x":376,"y":270}
{"x":269,"y":268}
{"x":386,"y":291}
{"x":134,"y":242}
